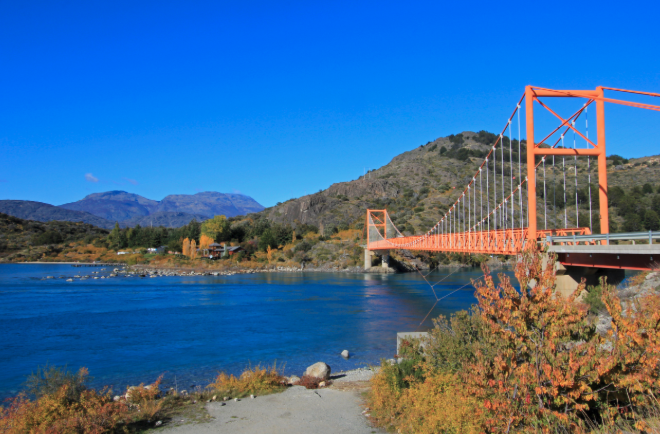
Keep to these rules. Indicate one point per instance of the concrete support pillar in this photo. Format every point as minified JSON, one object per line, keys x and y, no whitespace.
{"x":568,"y":278}
{"x":368,"y":256}
{"x":386,"y":259}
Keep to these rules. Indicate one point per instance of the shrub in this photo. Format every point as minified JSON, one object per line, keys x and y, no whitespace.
{"x":47,"y":380}
{"x":64,"y":405}
{"x":593,"y":299}
{"x":529,"y":360}
{"x":252,"y":380}
{"x":310,"y":382}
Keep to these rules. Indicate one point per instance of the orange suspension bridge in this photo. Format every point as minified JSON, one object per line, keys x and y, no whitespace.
{"x":499,"y":212}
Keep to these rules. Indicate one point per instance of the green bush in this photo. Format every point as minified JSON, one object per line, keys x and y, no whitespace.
{"x":49,"y":379}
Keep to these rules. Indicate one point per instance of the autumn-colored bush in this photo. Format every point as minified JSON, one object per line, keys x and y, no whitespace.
{"x":68,"y":409}
{"x":255,"y":380}
{"x":528,"y":360}
{"x":64,"y":404}
{"x":309,"y":382}
{"x":142,"y":394}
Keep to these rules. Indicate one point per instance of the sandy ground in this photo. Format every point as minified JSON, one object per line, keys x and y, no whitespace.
{"x":333,"y":410}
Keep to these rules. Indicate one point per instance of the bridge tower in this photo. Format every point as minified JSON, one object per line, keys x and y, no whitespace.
{"x":532,"y":94}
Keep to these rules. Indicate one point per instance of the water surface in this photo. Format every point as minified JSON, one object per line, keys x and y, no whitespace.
{"x":127,"y":330}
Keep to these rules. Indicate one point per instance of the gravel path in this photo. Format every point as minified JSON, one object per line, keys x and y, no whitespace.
{"x":334,"y":410}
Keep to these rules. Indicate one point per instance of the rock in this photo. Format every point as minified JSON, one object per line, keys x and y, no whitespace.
{"x":236,"y":399}
{"x":222,"y":403}
{"x":322,"y":384}
{"x":116,"y":398}
{"x":293,"y":379}
{"x":69,"y":280}
{"x":226,"y":398}
{"x":184,"y":392}
{"x":251,"y":396}
{"x":214,"y":397}
{"x":319,"y":370}
{"x":159,"y":423}
{"x":345,"y":354}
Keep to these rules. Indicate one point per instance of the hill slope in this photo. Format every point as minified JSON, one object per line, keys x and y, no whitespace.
{"x":418,"y":186}
{"x":43,"y":212}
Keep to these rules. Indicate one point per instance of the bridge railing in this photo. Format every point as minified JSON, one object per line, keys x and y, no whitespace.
{"x":598,"y":238}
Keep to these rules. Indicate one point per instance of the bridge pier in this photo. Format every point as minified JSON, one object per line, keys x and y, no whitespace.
{"x":385,"y":259}
{"x":368,"y":257}
{"x":568,"y":277}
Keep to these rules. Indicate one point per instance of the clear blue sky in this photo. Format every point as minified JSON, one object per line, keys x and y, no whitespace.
{"x":279,"y":99}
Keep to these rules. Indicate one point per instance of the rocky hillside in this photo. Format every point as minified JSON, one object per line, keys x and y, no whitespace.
{"x":38,"y":237}
{"x":418,"y":186}
{"x":43,"y":212}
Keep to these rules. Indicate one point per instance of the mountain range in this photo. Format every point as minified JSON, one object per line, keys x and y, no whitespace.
{"x":129,"y":209}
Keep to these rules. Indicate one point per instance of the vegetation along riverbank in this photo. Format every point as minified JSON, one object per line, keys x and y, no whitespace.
{"x":519,"y":361}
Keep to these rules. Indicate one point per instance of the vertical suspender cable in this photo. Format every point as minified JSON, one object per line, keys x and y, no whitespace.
{"x":545,"y":202}
{"x":495,"y":187}
{"x":481,"y":199}
{"x":513,"y":222}
{"x":554,"y":193}
{"x":563,"y":167}
{"x":487,"y":194}
{"x":522,"y":223}
{"x":577,"y":215}
{"x":586,"y":123}
{"x":503,"y":214}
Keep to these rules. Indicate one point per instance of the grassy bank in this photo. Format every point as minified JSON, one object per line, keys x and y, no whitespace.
{"x":58,"y":401}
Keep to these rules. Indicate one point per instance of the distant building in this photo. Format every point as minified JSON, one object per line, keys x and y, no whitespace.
{"x":221,"y":250}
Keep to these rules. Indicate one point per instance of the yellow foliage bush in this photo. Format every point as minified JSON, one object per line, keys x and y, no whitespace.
{"x":252,"y":380}
{"x":72,"y":408}
{"x":527,"y":360}
{"x":92,"y":413}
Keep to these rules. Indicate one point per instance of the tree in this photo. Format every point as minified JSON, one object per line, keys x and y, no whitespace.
{"x":651,"y":220}
{"x":217,"y":228}
{"x":186,"y":247}
{"x":117,"y":238}
{"x":632,"y":223}
{"x":205,"y":241}
{"x":647,"y":188}
{"x":193,"y":249}
{"x":267,"y":239}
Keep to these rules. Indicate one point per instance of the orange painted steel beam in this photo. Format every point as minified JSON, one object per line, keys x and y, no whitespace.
{"x":541,"y":92}
{"x":531,"y":171}
{"x":602,"y":166}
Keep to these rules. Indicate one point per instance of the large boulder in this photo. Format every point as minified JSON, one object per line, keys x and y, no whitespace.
{"x":319,"y":370}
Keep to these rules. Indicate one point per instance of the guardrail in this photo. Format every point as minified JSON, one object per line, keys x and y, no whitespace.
{"x":593,"y":239}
